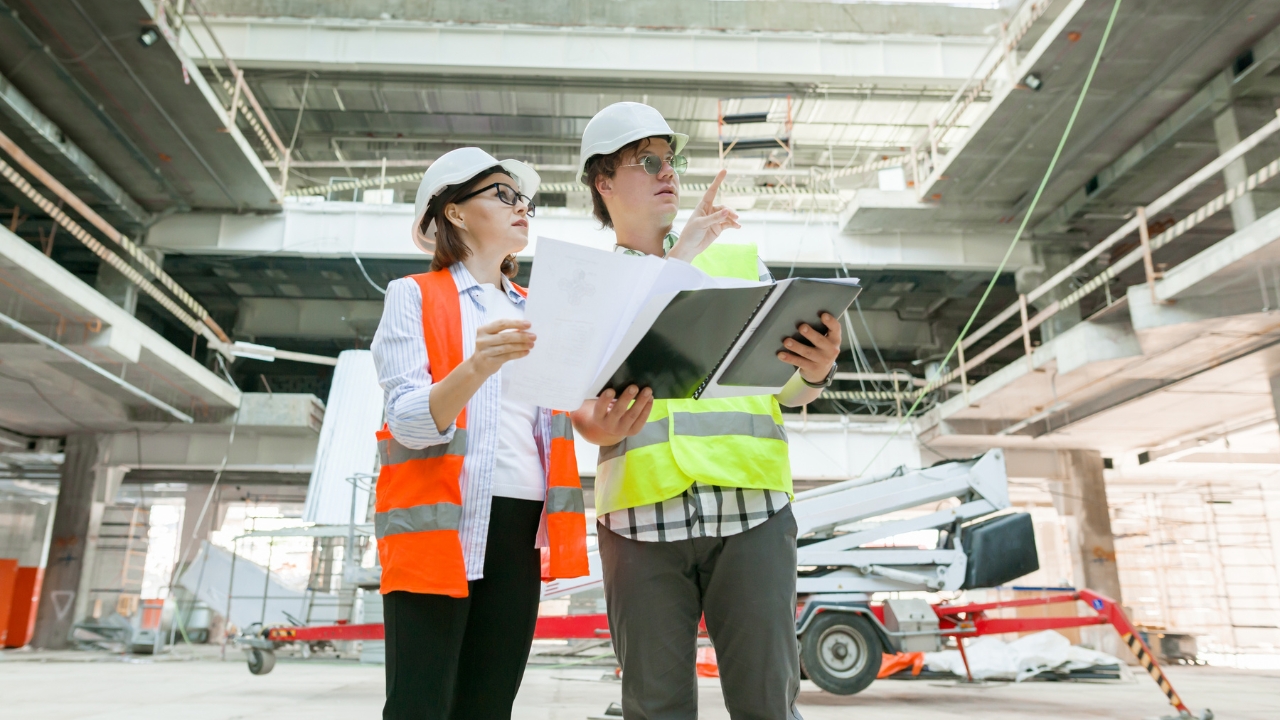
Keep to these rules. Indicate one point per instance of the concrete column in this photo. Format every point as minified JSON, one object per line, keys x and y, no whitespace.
{"x":1227,"y":131}
{"x":75,"y":520}
{"x":193,"y":535}
{"x":1082,"y":498}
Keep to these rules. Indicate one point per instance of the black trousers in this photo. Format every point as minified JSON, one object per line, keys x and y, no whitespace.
{"x":463,"y":658}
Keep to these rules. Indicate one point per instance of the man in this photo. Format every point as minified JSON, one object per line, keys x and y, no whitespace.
{"x":692,"y":497}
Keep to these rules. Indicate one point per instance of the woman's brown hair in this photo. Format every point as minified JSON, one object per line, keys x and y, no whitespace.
{"x":450,"y":248}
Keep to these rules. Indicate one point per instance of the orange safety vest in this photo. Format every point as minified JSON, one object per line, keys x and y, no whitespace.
{"x":418,"y":497}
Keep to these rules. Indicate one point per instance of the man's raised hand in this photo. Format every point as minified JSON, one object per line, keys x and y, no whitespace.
{"x":705,"y":224}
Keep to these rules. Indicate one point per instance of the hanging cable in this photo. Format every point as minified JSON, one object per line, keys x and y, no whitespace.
{"x":366,"y":274}
{"x":1026,"y":218}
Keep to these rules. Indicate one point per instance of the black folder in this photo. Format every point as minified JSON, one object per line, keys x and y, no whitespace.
{"x":729,"y":337}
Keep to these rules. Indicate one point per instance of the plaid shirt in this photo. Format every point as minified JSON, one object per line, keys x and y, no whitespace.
{"x":702,"y":510}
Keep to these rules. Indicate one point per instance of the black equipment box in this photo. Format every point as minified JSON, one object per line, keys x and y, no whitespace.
{"x":999,"y":549}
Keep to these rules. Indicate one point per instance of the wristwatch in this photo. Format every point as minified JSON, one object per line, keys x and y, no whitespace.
{"x":826,"y":382}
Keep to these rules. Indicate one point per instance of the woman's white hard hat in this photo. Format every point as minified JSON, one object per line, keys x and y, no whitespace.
{"x":623,"y":123}
{"x":459,"y":166}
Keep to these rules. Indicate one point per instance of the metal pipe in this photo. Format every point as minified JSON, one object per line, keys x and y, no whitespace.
{"x":72,"y":200}
{"x":267,"y":353}
{"x":101,"y":251}
{"x":126,"y":386}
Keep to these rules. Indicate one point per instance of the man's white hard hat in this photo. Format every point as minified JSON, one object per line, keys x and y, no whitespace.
{"x":622,"y":123}
{"x":459,"y":166}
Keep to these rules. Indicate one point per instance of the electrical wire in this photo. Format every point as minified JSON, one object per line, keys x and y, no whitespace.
{"x":46,"y":400}
{"x":1026,"y":218}
{"x":365,"y":273}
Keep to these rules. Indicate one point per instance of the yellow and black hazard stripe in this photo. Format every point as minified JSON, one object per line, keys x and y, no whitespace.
{"x":1144,"y":658}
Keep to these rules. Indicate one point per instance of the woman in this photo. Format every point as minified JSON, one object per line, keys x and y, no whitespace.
{"x":472,"y":481}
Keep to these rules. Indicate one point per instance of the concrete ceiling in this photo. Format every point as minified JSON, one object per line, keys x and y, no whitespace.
{"x":135,"y":109}
{"x":1159,"y":56}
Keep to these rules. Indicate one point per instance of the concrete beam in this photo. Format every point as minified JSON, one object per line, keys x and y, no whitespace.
{"x":104,"y":332}
{"x":336,"y":229}
{"x":45,"y":134}
{"x":736,"y":16}
{"x":298,"y":318}
{"x":339,"y":44}
{"x":1229,"y":264}
{"x":1093,"y":341}
{"x":274,"y":433}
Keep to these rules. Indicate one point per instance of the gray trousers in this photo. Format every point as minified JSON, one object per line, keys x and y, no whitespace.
{"x":745,"y":586}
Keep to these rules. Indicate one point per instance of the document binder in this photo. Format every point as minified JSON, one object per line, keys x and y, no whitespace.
{"x":722,"y":342}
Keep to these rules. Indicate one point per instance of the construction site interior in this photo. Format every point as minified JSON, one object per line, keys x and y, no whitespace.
{"x":1045,"y":481}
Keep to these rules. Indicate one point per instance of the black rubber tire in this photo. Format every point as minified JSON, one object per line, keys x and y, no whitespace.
{"x":841,"y":652}
{"x":261,"y":662}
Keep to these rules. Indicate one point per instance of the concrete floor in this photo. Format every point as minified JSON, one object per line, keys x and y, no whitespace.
{"x":63,"y":686}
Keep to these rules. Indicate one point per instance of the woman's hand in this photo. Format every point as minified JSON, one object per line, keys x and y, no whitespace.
{"x":500,"y":342}
{"x":814,"y":362}
{"x":705,"y":224}
{"x":609,"y":419}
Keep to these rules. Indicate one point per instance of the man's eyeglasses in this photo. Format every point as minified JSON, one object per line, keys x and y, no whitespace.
{"x":506,"y":194}
{"x":652,"y":164}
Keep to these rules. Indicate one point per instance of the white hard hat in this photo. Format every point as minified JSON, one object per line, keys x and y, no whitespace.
{"x":459,"y":166}
{"x":622,"y":123}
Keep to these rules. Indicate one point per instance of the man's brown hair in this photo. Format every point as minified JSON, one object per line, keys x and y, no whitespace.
{"x":450,"y":247}
{"x":605,"y":166}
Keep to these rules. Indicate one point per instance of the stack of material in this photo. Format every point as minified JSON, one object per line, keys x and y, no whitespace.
{"x":372,"y":651}
{"x":347,"y":447}
{"x":1029,"y":656}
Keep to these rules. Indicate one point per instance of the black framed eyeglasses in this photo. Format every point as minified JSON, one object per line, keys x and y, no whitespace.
{"x":506,"y":194}
{"x":652,"y":164}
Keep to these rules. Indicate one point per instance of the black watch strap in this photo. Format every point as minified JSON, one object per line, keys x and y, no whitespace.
{"x":826,"y":382}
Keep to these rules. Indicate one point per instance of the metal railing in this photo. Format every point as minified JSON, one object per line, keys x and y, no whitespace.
{"x":170,"y":20}
{"x":1148,"y":244}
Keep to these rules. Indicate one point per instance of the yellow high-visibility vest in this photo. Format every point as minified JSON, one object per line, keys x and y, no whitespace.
{"x":730,"y":442}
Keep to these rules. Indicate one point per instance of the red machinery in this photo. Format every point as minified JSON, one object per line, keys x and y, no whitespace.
{"x":957,"y":621}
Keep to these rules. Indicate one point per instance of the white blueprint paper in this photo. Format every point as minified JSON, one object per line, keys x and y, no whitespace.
{"x":578,"y":297}
{"x":582,"y":306}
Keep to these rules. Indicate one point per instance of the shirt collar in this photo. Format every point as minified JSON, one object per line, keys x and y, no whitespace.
{"x":467,"y":283}
{"x":668,"y":242}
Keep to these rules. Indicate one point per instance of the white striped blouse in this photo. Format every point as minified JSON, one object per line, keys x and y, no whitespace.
{"x":400,"y":355}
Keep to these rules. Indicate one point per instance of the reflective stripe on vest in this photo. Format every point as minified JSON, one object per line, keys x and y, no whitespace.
{"x":561,"y":426}
{"x":730,"y":442}
{"x":565,"y":499}
{"x":391,"y":452}
{"x":707,"y":424}
{"x":419,"y":518}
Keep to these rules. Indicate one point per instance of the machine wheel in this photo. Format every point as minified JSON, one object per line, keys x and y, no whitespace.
{"x":840,"y":652}
{"x":261,"y":661}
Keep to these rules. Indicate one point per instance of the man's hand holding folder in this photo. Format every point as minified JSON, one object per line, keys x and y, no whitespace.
{"x":813,"y":358}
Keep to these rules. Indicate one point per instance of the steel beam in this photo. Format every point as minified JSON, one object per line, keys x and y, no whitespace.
{"x":695,"y":55}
